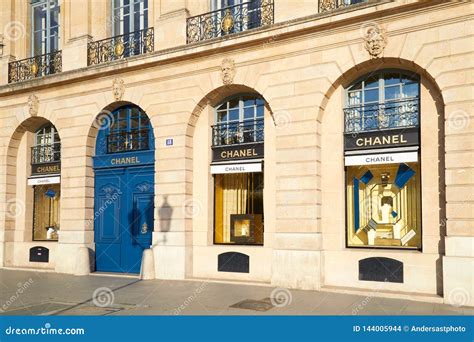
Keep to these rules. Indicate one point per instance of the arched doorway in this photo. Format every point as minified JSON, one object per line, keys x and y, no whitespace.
{"x":124,"y":189}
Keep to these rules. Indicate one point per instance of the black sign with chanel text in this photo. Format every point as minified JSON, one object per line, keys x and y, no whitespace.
{"x":237,"y":152}
{"x":382,"y":139}
{"x":46,"y":168}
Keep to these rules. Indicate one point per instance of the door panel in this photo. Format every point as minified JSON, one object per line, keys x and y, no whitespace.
{"x":124,"y":205}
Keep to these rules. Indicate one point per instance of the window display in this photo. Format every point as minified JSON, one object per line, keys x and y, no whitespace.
{"x":384,"y":205}
{"x":46,"y":212}
{"x":239,"y":208}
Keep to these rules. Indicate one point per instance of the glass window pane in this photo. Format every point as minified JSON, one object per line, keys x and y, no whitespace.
{"x":238,"y":208}
{"x":410,"y":90}
{"x":383,"y":205}
{"x":392,"y":78}
{"x":260,"y":110}
{"x":222,"y":116}
{"x":249,"y":112}
{"x":126,"y":24}
{"x":392,"y":92}
{"x":39,"y":18}
{"x":372,"y":81}
{"x":371,"y":95}
{"x":144,"y":120}
{"x":410,"y":78}
{"x":354,"y":98}
{"x":46,"y":212}
{"x":249,"y":102}
{"x":233,"y":115}
{"x":54,"y":17}
{"x":355,"y":86}
{"x":234,"y":104}
{"x":38,"y":43}
{"x":134,"y":123}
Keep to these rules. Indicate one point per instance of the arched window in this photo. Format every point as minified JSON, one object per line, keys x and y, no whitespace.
{"x":239,"y":120}
{"x":45,"y":168}
{"x":384,"y":100}
{"x":238,"y":139}
{"x":47,"y":147}
{"x":129,"y":130}
{"x":381,"y":157}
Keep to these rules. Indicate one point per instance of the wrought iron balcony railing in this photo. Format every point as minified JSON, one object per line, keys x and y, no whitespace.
{"x":49,"y":153}
{"x":33,"y":67}
{"x":128,"y":141}
{"x":249,"y":131}
{"x":330,"y":5}
{"x":232,"y":19}
{"x":388,"y":115}
{"x":119,"y":47}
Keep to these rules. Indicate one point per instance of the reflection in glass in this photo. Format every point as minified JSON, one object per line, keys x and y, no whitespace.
{"x":383,"y":205}
{"x":238,"y":208}
{"x":46,"y":212}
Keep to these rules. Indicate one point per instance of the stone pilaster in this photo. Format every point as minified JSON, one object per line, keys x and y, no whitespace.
{"x":77,"y":33}
{"x":77,"y":205}
{"x":458,"y":262}
{"x":173,"y":192}
{"x":170,"y":24}
{"x":297,"y":240}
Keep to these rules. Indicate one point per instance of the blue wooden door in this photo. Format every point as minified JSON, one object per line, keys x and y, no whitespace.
{"x":123,"y":221}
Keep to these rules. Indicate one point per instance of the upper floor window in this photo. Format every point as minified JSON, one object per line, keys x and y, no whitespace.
{"x":129,"y":16}
{"x":239,"y":120}
{"x":45,"y":17}
{"x":129,"y":130}
{"x":47,"y":147}
{"x":383,"y":100}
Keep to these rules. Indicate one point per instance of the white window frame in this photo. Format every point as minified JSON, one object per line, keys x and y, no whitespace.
{"x":118,"y":5}
{"x":50,"y":6}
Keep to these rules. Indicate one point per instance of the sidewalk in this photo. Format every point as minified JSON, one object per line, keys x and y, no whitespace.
{"x":41,"y":293}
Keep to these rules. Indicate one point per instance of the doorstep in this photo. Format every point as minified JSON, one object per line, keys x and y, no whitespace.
{"x":415,"y":296}
{"x":116,"y":275}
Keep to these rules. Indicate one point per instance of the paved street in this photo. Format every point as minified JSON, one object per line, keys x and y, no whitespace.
{"x":41,"y":293}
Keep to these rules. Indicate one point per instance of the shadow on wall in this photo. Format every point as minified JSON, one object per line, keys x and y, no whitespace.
{"x":165,"y":212}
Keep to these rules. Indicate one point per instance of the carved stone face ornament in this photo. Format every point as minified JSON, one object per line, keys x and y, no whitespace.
{"x":228,"y":71}
{"x":375,"y":41}
{"x":33,"y":105}
{"x":118,"y":89}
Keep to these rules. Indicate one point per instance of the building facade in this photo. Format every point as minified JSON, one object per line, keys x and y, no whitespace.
{"x":322,"y":145}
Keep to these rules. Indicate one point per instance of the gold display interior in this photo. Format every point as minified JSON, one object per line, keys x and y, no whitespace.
{"x":46,"y":212}
{"x":238,"y":194}
{"x":242,"y":228}
{"x":383,"y":205}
